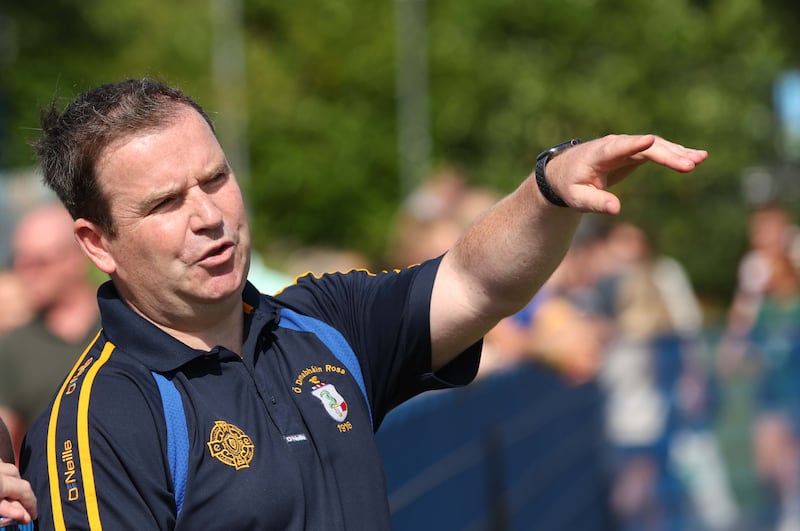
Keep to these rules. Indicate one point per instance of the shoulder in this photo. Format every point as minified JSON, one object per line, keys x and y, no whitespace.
{"x":361,"y":287}
{"x":104,"y":406}
{"x":104,"y":389}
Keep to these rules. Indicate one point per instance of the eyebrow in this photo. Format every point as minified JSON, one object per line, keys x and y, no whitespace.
{"x":172,"y":189}
{"x":156,"y":196}
{"x":222,"y":167}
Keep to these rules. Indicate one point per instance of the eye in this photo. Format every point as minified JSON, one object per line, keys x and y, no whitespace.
{"x":163,"y":204}
{"x":217,"y":180}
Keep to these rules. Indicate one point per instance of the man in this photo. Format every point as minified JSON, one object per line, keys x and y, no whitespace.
{"x":15,"y":310}
{"x":35,"y":357}
{"x":17,"y":502}
{"x":205,"y":405}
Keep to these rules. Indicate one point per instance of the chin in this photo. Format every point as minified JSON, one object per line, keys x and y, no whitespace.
{"x":226,"y":292}
{"x":216,"y":284}
{"x":221,"y":288}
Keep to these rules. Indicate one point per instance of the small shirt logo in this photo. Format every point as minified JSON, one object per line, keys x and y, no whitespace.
{"x":231,"y":445}
{"x":330,"y":398}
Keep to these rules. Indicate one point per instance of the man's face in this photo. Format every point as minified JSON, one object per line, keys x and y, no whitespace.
{"x":182,"y":243}
{"x":47,"y":258}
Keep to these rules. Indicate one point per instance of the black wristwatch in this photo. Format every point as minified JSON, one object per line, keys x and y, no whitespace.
{"x":541,"y":178}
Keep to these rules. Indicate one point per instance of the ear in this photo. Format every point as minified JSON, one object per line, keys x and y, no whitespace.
{"x":94,"y":243}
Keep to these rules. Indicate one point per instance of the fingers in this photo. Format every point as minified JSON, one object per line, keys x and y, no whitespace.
{"x":671,"y":155}
{"x":581,"y":175}
{"x":674,"y":156}
{"x":7,"y":470}
{"x":620,"y":151}
{"x":16,"y":511}
{"x":16,"y":496}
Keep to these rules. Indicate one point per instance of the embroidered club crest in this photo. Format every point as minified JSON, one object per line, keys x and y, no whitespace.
{"x":334,"y":404}
{"x":231,"y":445}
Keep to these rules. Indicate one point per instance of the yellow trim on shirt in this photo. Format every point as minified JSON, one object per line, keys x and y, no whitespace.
{"x":87,"y":471}
{"x":52,"y":454}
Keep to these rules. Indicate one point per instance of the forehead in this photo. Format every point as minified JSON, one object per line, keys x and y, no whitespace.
{"x":181,"y":148}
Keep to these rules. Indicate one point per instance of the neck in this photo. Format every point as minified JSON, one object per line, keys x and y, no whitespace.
{"x":204,"y":328}
{"x":226,"y":333}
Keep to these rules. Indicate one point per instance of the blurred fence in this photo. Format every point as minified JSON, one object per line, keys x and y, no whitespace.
{"x":515,"y":450}
{"x":523,"y":450}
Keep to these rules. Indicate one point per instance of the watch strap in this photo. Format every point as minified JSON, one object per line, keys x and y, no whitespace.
{"x":541,"y":176}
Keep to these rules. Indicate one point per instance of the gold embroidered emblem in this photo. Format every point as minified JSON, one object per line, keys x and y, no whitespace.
{"x":231,"y":445}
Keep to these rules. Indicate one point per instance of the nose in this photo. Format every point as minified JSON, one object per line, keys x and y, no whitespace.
{"x":205,"y":213}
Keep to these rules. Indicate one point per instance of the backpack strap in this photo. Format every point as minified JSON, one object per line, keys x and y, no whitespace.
{"x":177,"y":436}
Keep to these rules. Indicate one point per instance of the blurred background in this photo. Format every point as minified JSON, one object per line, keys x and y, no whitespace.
{"x":368,"y":134}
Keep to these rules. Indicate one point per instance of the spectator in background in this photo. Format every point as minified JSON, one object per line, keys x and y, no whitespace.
{"x":565,"y":326}
{"x":426,"y":226}
{"x":320,"y":259}
{"x":774,"y":348}
{"x":35,"y":358}
{"x":771,"y":231}
{"x":15,"y":306}
{"x":428,"y":223}
{"x":749,"y":354}
{"x":659,"y":403}
{"x":15,"y":311}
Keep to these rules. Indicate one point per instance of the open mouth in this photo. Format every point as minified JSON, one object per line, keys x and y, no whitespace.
{"x":218,"y":254}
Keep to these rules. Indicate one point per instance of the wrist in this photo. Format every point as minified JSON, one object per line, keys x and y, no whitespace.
{"x":540,"y":171}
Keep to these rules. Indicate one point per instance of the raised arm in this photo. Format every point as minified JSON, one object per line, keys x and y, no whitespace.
{"x":505,"y":257}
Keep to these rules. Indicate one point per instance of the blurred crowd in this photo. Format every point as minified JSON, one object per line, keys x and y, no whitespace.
{"x":616,"y":312}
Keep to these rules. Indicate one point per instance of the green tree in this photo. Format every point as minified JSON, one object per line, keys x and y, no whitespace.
{"x":506,"y":79}
{"x":512,"y":77}
{"x":53,"y":50}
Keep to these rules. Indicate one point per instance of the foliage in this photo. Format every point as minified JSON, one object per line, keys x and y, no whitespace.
{"x":546,"y":71}
{"x":506,"y":78}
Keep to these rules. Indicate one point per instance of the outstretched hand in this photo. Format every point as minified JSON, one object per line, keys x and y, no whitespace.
{"x":582,"y":174}
{"x":17,"y":500}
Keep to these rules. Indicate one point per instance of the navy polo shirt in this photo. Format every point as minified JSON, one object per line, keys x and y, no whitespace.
{"x":281,"y":438}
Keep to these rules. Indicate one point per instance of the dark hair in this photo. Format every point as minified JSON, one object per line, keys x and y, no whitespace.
{"x":73,"y":140}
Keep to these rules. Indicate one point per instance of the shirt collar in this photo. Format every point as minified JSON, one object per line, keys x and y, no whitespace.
{"x":159,"y":351}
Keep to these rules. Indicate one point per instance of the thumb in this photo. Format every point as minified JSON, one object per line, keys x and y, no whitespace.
{"x":587,"y":198}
